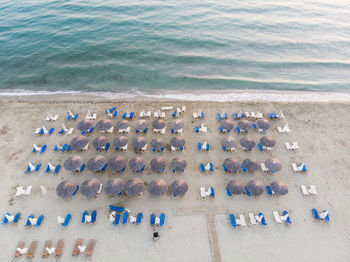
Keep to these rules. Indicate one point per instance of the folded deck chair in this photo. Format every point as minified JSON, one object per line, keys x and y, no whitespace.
{"x":125,"y":218}
{"x":117,"y":219}
{"x":232,"y":220}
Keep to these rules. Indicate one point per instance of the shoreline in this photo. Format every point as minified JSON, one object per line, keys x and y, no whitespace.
{"x":164,"y":96}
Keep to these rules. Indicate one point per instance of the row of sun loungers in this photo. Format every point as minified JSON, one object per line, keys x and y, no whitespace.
{"x":51,"y":118}
{"x":207,"y":193}
{"x":293,"y":146}
{"x":284,"y":129}
{"x":57,"y":250}
{"x":201,"y":129}
{"x":43,"y":131}
{"x":241,"y":221}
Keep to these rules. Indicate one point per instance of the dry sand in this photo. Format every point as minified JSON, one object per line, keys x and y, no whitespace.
{"x":320,"y":128}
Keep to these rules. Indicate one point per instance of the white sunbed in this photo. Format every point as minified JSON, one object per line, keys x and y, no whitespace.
{"x":295,"y":168}
{"x":183,"y":109}
{"x":195,"y":116}
{"x":167,"y":107}
{"x":70,"y":131}
{"x":19,"y":191}
{"x":142,"y":114}
{"x":252,"y":219}
{"x":85,"y":148}
{"x":156,"y":114}
{"x":87,"y":219}
{"x":178,"y":131}
{"x":37,"y":148}
{"x":286,"y":129}
{"x":288,"y":146}
{"x":252,"y":115}
{"x":285,"y":217}
{"x":148,"y":114}
{"x":162,"y":115}
{"x":37,"y":131}
{"x":203,"y":192}
{"x":132,"y":219}
{"x":259,"y":115}
{"x":110,"y":131}
{"x":43,"y":189}
{"x":51,"y":166}
{"x":324,"y":214}
{"x":304,"y":190}
{"x":241,"y":221}
{"x":295,"y":146}
{"x":112,"y":216}
{"x":124,"y":148}
{"x":28,"y":190}
{"x":173,"y":149}
{"x":280,"y":115}
{"x":60,"y":220}
{"x":144,"y":148}
{"x":247,"y":115}
{"x":264,"y":168}
{"x":280,"y":129}
{"x":100,"y":189}
{"x":277,"y":217}
{"x":312,"y":190}
{"x":45,"y":131}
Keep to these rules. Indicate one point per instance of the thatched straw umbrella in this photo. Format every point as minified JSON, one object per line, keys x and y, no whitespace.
{"x":100,"y":142}
{"x":273,"y":164}
{"x":85,"y":125}
{"x":73,"y":163}
{"x":177,"y":124}
{"x":158,"y":188}
{"x":79,"y":142}
{"x":122,"y":124}
{"x":137,"y":164}
{"x":227,"y":124}
{"x":228,"y":142}
{"x":66,"y":189}
{"x":120,"y":141}
{"x":235,"y":187}
{"x":90,"y":187}
{"x":244,"y":124}
{"x":179,"y":187}
{"x":268,"y":141}
{"x":279,"y":188}
{"x":158,"y":124}
{"x":177,"y":141}
{"x":139,"y":142}
{"x":114,"y":187}
{"x":104,"y":125}
{"x":232,"y":164}
{"x":141,"y":125}
{"x":157,"y":144}
{"x":255,"y":187}
{"x":247,"y":143}
{"x":263,"y":124}
{"x":134,"y":187}
{"x":178,"y":164}
{"x":251,"y":164}
{"x":96,"y":163}
{"x":117,"y":164}
{"x":158,"y":164}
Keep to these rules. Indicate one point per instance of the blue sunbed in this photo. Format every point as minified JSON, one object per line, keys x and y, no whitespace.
{"x":238,"y":130}
{"x":224,"y":148}
{"x":327,"y":217}
{"x":211,"y":167}
{"x":139,"y":218}
{"x":181,"y":149}
{"x":235,"y":115}
{"x":76,"y":116}
{"x":304,"y":169}
{"x":115,"y":114}
{"x":269,"y":190}
{"x":201,"y":166}
{"x":62,"y":131}
{"x":199,"y":146}
{"x":244,"y":170}
{"x":17,"y":217}
{"x":254,"y":125}
{"x":67,"y":220}
{"x":247,"y":192}
{"x":202,"y":115}
{"x":43,"y":149}
{"x":5,"y":220}
{"x":64,"y":147}
{"x":145,"y":130}
{"x":82,"y":168}
{"x":131,"y":116}
{"x":172,"y":130}
{"x":48,"y":170}
{"x":107,"y":146}
{"x":162,"y":149}
{"x":104,"y":168}
{"x":228,"y":192}
{"x":93,"y":216}
{"x":225,"y":168}
{"x":39,"y":221}
{"x":263,"y":221}
{"x":218,"y":117}
{"x":260,"y":147}
{"x":142,"y":169}
{"x":117,"y":219}
{"x":196,"y":129}
{"x":111,"y":109}
{"x":288,"y":219}
{"x":41,"y":131}
{"x":37,"y":168}
{"x":315,"y":213}
{"x":28,"y":170}
{"x":212,"y":192}
{"x":233,"y":220}
{"x":162,"y":219}
{"x":57,"y":169}
{"x":208,"y":147}
{"x":76,"y":190}
{"x":51,"y":131}
{"x":225,"y":116}
{"x":125,"y":218}
{"x":221,"y":129}
{"x":83,"y":216}
{"x":174,"y":113}
{"x":28,"y":221}
{"x":152,"y":219}
{"x":124,"y":115}
{"x":91,"y":130}
{"x":115,"y":208}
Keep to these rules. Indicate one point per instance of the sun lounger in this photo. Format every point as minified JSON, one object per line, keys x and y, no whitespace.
{"x":286,"y":217}
{"x":19,"y":191}
{"x":90,"y":247}
{"x":252,"y":219}
{"x":232,"y":220}
{"x":199,"y":146}
{"x":162,"y":219}
{"x":48,"y":249}
{"x":261,"y":219}
{"x":202,"y":168}
{"x":315,"y":213}
{"x":93,"y":216}
{"x":203,"y":193}
{"x":76,"y":249}
{"x":247,"y":192}
{"x":67,"y":220}
{"x":304,"y":190}
{"x":32,"y":249}
{"x":43,"y":149}
{"x":277,"y":217}
{"x":152,"y":219}
{"x":37,"y":131}
{"x":139,"y":218}
{"x":324,"y":215}
{"x":20,"y":249}
{"x":260,"y":147}
{"x":295,"y":146}
{"x":125,"y":218}
{"x":117,"y":219}
{"x":241,"y":221}
{"x":8,"y":218}
{"x":59,"y":248}
{"x":264,"y":168}
{"x":288,"y":146}
{"x":269,"y":191}
{"x":312,"y":190}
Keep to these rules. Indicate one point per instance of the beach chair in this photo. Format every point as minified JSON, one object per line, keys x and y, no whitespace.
{"x":117,"y":219}
{"x":37,"y":131}
{"x":37,"y":168}
{"x":20,"y":249}
{"x":90,"y":247}
{"x":288,"y":146}
{"x":264,"y":168}
{"x":260,"y":147}
{"x":312,"y":190}
{"x":247,"y":192}
{"x":244,"y":170}
{"x":32,"y":249}
{"x":286,"y":217}
{"x":269,"y":191}
{"x":30,"y":168}
{"x":277,"y":217}
{"x":48,"y":249}
{"x":241,"y":221}
{"x":162,"y":219}
{"x":203,"y":192}
{"x":232,"y":220}
{"x":125,"y":218}
{"x":76,"y":250}
{"x":228,"y":192}
{"x":295,"y":146}
{"x":304,"y":190}
{"x":59,"y":248}
{"x":152,"y":219}
{"x":261,"y":219}
{"x":139,"y":218}
{"x":324,"y":215}
{"x":67,"y":220}
{"x":93,"y":216}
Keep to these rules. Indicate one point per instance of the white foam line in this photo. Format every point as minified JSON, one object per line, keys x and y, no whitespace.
{"x":206,"y":95}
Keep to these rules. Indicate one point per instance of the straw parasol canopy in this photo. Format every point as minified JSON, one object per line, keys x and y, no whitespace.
{"x":232,"y":164}
{"x":227,"y":124}
{"x":73,"y":163}
{"x":228,"y":142}
{"x":279,"y":188}
{"x":177,"y":124}
{"x":177,"y":141}
{"x":85,"y":125}
{"x":104,"y":125}
{"x":247,"y":143}
{"x":178,"y":164}
{"x":122,"y":124}
{"x":137,"y":163}
{"x":139,"y":142}
{"x":244,"y":124}
{"x":79,"y":142}
{"x":116,"y":164}
{"x":251,"y":164}
{"x":113,"y":187}
{"x":90,"y":187}
{"x":141,"y":124}
{"x":273,"y":164}
{"x":263,"y":124}
{"x":158,"y":164}
{"x":66,"y":189}
{"x":157,"y":143}
{"x":120,"y":141}
{"x":255,"y":187}
{"x":179,"y":187}
{"x":96,"y":163}
{"x":235,"y":187}
{"x":158,"y":124}
{"x":100,"y":141}
{"x":134,"y":187}
{"x":268,"y":141}
{"x":158,"y":188}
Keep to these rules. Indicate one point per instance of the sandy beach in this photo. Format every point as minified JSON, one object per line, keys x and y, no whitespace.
{"x":195,"y":229}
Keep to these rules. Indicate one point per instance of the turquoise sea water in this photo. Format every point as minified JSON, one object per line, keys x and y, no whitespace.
{"x":174,"y":45}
